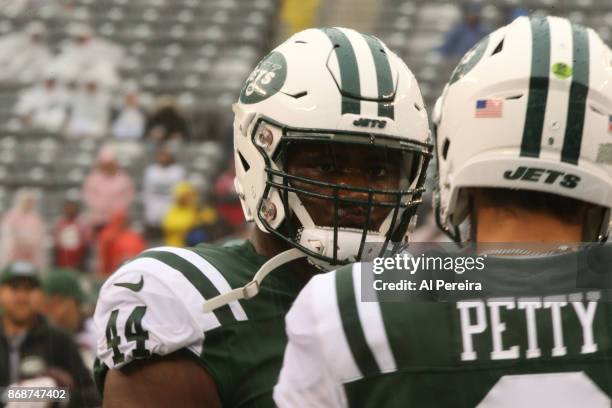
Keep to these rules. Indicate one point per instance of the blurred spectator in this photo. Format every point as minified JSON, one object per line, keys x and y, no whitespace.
{"x":299,"y":15}
{"x":158,"y":184}
{"x":167,"y":122}
{"x":227,"y":201}
{"x":44,"y":105}
{"x":205,"y":230}
{"x":63,"y":302}
{"x":85,"y":52}
{"x":182,"y":216}
{"x":130,"y":121}
{"x":464,"y":35}
{"x":23,"y":231}
{"x":91,"y":105}
{"x":14,"y":8}
{"x":512,"y":13}
{"x":71,"y":238}
{"x":33,"y":350}
{"x":10,"y":44}
{"x":106,"y":189}
{"x":24,"y":56}
{"x":117,"y":243}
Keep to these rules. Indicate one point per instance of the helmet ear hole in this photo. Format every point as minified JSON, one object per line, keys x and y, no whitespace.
{"x":499,"y":48}
{"x":245,"y":165}
{"x":445,"y":147}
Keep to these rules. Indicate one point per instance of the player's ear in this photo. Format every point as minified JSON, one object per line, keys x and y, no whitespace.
{"x":595,"y":223}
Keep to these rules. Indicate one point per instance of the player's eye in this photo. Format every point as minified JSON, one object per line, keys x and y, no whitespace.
{"x":326,"y":167}
{"x":378,"y":171}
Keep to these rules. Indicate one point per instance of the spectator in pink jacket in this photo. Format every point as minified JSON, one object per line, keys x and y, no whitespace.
{"x":106,"y":189}
{"x":23,"y":231}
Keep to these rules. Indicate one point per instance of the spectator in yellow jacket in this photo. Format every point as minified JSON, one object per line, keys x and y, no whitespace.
{"x":299,"y":15}
{"x":182,"y":216}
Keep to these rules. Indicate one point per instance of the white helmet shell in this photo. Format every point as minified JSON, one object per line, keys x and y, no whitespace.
{"x":529,"y":107}
{"x":325,"y":82}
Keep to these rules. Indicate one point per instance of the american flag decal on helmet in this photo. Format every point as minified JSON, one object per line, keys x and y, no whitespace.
{"x":489,"y":108}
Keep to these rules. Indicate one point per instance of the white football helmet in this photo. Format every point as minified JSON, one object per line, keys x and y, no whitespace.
{"x":529,"y":107}
{"x":329,"y":85}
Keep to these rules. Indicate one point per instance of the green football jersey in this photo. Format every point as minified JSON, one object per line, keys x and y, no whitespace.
{"x":552,"y":350}
{"x":153,"y":305}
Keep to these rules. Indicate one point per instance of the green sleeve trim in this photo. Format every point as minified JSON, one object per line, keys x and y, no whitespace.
{"x":100,"y":369}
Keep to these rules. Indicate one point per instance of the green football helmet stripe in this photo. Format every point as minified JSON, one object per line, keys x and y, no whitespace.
{"x":351,"y":323}
{"x":384,"y":77}
{"x":349,"y":71}
{"x":196,"y":277}
{"x":538,"y":87}
{"x":578,"y":95}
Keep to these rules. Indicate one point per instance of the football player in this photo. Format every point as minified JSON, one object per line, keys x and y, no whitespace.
{"x":331,"y":142}
{"x":523,"y":145}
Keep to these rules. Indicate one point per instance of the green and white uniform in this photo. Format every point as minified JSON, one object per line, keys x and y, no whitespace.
{"x":526,"y":352}
{"x":240,"y":345}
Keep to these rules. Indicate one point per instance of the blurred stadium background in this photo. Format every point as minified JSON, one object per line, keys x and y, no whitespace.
{"x":192,"y":55}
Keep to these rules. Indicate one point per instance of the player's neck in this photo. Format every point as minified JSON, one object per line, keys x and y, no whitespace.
{"x":268,"y":245}
{"x":498,"y":225}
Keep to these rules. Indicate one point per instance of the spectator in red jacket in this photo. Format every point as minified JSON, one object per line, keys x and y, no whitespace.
{"x":71,"y":238}
{"x":228,"y":203}
{"x":117,"y":243}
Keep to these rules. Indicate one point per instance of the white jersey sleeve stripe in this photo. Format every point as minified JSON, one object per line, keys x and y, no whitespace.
{"x":328,"y":326}
{"x":176,"y":282}
{"x":213,"y":275}
{"x":307,"y":378}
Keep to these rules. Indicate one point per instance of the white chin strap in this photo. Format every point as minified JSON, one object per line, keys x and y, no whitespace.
{"x":251,"y":289}
{"x":321,"y":241}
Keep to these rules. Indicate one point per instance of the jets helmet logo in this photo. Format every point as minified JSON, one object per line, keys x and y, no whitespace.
{"x":536,"y":175}
{"x":265,"y":80}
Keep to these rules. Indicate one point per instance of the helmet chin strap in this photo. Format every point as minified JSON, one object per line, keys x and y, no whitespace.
{"x":251,"y":289}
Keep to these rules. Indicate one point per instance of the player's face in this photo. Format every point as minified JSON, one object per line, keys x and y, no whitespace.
{"x":350,"y":166}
